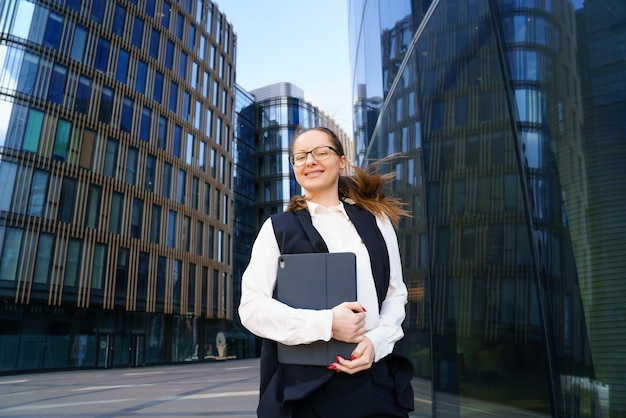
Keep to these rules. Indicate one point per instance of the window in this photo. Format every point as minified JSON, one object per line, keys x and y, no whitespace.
{"x":136,"y":218}
{"x":186,"y":236}
{"x":169,"y":55}
{"x":146,"y":121}
{"x":195,"y":185}
{"x":176,"y":146}
{"x":155,"y":224}
{"x":140,"y":77}
{"x":119,"y":18}
{"x":57,"y":84}
{"x":28,"y":74}
{"x":166,"y":185}
{"x":142,"y":272}
{"x":137,"y":32}
{"x":106,"y":104}
{"x":126,"y":119}
{"x":43,"y":260}
{"x":98,"y":267}
{"x":199,"y":238}
{"x":157,"y":92}
{"x":189,"y":149}
{"x":131,"y":165}
{"x":207,"y":198}
{"x":211,"y":242}
{"x":180,"y":189}
{"x":92,"y":212}
{"x":171,"y":229}
{"x":162,"y":134}
{"x":155,"y":40}
{"x":72,"y":262}
{"x":54,"y":29}
{"x":122,"y":67}
{"x":61,"y":140}
{"x":182,"y":66}
{"x":110,"y":158}
{"x":83,"y":95}
{"x":173,"y":103}
{"x":33,"y":131}
{"x":7,"y":183}
{"x":38,"y":193}
{"x":115,"y":215}
{"x":77,"y":52}
{"x":67,"y":200}
{"x":149,"y":178}
{"x":121,"y":278}
{"x":102,"y":55}
{"x":97,"y":11}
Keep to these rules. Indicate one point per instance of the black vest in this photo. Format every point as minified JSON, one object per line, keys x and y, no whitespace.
{"x":296,"y":234}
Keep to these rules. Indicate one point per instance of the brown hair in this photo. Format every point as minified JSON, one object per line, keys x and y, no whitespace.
{"x":365,"y":188}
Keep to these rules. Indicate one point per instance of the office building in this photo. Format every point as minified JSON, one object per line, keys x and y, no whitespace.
{"x":507,"y":114}
{"x":116,"y":190}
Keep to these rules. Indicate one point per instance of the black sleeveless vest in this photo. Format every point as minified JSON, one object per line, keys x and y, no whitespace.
{"x":295,"y":233}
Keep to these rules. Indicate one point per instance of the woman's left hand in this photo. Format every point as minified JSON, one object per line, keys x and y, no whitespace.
{"x":362,"y":359}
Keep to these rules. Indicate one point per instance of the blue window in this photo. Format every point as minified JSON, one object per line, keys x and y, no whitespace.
{"x":186,"y":105}
{"x":102,"y":55}
{"x":155,"y":41}
{"x":165,"y":14}
{"x":181,"y":186}
{"x":150,"y":8}
{"x":137,"y":32}
{"x":180,"y":26}
{"x":162,"y":135}
{"x":97,"y":11}
{"x":136,"y":218}
{"x":140,"y":77}
{"x":146,"y":121}
{"x":182,"y":68}
{"x":126,"y":120}
{"x":192,"y":38}
{"x":149,"y":178}
{"x":157,"y":92}
{"x":83,"y":95}
{"x":38,"y":193}
{"x":119,"y":19}
{"x":28,"y":74}
{"x":106,"y":104}
{"x":122,"y":66}
{"x":74,"y":4}
{"x":178,"y":132}
{"x":171,"y":229}
{"x":54,"y":29}
{"x":78,"y":43}
{"x":33,"y":131}
{"x":57,"y":84}
{"x":173,"y":104}
{"x":155,"y":224}
{"x":169,"y":55}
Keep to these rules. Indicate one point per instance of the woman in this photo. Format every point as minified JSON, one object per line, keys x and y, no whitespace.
{"x":348,"y":214}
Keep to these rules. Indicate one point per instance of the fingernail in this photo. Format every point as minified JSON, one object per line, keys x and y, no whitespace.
{"x":352,"y":357}
{"x":363,"y":307}
{"x":331,"y":366}
{"x":337,"y":357}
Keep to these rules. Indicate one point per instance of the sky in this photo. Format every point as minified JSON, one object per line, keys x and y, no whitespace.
{"x":301,"y":42}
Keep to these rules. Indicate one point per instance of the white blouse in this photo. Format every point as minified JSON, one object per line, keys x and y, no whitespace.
{"x":269,"y":318}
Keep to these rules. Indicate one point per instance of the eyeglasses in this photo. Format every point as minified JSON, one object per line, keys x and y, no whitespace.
{"x":298,"y":159}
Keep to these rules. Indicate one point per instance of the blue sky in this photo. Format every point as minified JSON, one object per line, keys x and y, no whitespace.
{"x":297,"y":41}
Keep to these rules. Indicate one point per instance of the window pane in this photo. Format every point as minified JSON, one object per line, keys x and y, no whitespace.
{"x":38,"y":193}
{"x":93,"y":207}
{"x":78,"y":43}
{"x":10,"y":254}
{"x":61,"y":139}
{"x":67,"y":200}
{"x":83,"y":95}
{"x":33,"y":130}
{"x":43,"y":261}
{"x":72,"y":262}
{"x":57,"y":84}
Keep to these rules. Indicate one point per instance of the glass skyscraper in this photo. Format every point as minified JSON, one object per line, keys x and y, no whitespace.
{"x":116,"y":186}
{"x":509,"y":116}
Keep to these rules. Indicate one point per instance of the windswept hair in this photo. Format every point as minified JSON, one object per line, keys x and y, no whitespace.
{"x":366,"y":188}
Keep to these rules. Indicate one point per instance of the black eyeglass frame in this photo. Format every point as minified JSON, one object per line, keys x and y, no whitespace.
{"x":292,"y":157}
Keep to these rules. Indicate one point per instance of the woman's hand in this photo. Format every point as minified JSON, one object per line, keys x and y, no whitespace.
{"x":348,"y":322}
{"x":362,"y":359}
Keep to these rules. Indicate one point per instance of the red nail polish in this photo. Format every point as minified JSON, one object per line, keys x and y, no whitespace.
{"x":337,"y":357}
{"x":352,"y":357}
{"x":331,"y":366}
{"x":363,"y":307}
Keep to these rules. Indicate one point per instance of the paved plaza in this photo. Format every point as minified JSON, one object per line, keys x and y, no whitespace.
{"x":217,"y":389}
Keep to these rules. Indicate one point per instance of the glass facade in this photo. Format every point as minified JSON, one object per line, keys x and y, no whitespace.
{"x":115,"y":183}
{"x":507,"y":116}
{"x":279,"y":110}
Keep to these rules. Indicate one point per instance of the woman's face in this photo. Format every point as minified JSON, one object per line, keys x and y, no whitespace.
{"x":318,"y":178}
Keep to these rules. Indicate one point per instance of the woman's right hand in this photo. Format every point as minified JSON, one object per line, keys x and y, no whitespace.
{"x":348,"y":322}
